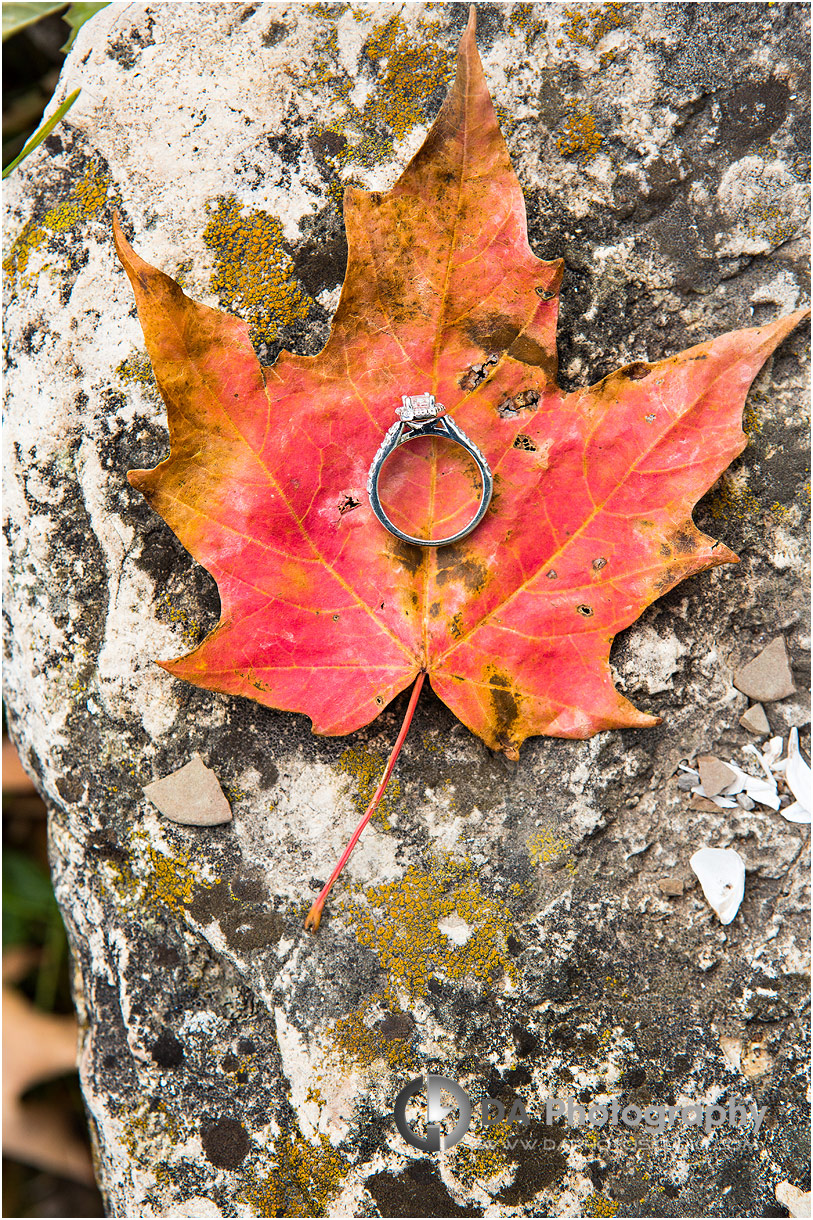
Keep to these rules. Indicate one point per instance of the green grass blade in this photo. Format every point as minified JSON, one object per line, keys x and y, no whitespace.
{"x":42,"y":132}
{"x":76,"y":17}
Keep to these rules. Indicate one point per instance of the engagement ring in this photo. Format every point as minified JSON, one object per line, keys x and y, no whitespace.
{"x":421,"y":416}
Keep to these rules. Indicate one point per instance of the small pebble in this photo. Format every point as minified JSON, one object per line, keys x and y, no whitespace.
{"x":687,"y":782}
{"x":755,"y":720}
{"x":744,"y":801}
{"x":768,"y":677}
{"x":714,"y":775}
{"x":671,"y":887}
{"x":191,"y":795}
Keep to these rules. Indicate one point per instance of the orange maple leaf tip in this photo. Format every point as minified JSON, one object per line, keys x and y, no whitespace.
{"x":323,"y":611}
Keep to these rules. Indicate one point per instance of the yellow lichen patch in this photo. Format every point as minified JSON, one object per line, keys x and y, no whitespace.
{"x":733,"y":498}
{"x":190,"y":629}
{"x":136,"y":369}
{"x":306,"y":1178}
{"x":410,"y":72}
{"x":399,"y":922}
{"x":155,"y":880}
{"x":545,"y":847}
{"x":585,"y":27}
{"x":148,"y":1125}
{"x":253,"y":274}
{"x":477,"y":1162}
{"x":361,"y":1043}
{"x":580,"y":138}
{"x":598,"y":1205}
{"x":366,"y":769}
{"x":770,"y":223}
{"x":87,"y":198}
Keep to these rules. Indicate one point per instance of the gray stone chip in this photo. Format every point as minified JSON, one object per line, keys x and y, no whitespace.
{"x":768,"y":676}
{"x":714,"y":775}
{"x":755,"y":720}
{"x":191,"y":795}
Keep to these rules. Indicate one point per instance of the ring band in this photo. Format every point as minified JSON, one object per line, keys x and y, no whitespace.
{"x":421,"y":416}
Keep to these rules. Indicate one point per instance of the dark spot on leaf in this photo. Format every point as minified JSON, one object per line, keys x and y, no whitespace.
{"x":585,"y":611}
{"x":494,"y":334}
{"x":453,"y":565}
{"x":684,"y":541}
{"x":521,"y":441}
{"x":225,"y":1143}
{"x":545,"y":293}
{"x":410,"y":557}
{"x":504,"y":705}
{"x":347,"y":504}
{"x":335,"y":618}
{"x":434,"y":609}
{"x":527,"y":350}
{"x":553,"y":574}
{"x":599,"y":563}
{"x":477,"y":373}
{"x":637,"y":371}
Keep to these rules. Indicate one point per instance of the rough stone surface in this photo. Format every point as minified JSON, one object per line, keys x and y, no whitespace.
{"x":232,"y":1065}
{"x":768,"y":677}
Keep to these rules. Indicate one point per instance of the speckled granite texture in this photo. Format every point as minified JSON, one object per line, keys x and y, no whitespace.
{"x":231,"y":1064}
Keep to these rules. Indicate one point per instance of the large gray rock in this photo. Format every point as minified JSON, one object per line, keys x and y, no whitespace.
{"x":233,"y":1065}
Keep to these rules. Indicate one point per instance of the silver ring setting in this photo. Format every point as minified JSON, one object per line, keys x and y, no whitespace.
{"x":422,"y":416}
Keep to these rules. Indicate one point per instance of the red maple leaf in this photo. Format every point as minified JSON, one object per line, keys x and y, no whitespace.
{"x":325,"y":612}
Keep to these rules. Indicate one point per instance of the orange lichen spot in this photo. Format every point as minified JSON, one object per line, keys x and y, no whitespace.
{"x":86,"y":199}
{"x":305,"y":1178}
{"x":580,"y":138}
{"x":585,"y":27}
{"x":434,"y":923}
{"x":253,"y":274}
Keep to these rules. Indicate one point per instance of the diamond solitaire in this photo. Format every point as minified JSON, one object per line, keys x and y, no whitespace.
{"x":419,"y":408}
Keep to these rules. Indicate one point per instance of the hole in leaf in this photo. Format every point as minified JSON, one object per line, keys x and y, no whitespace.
{"x":509,"y":407}
{"x":544,"y":293}
{"x":477,"y":373}
{"x":347,"y":504}
{"x":599,"y":563}
{"x":585,"y":611}
{"x":637,"y":371}
{"x":524,"y":442}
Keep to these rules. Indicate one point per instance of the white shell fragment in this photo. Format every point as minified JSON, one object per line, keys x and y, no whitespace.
{"x":191,"y":796}
{"x":721,"y":873}
{"x":797,"y":776}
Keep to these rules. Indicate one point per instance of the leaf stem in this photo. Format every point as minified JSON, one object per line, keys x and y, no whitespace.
{"x":314,"y":915}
